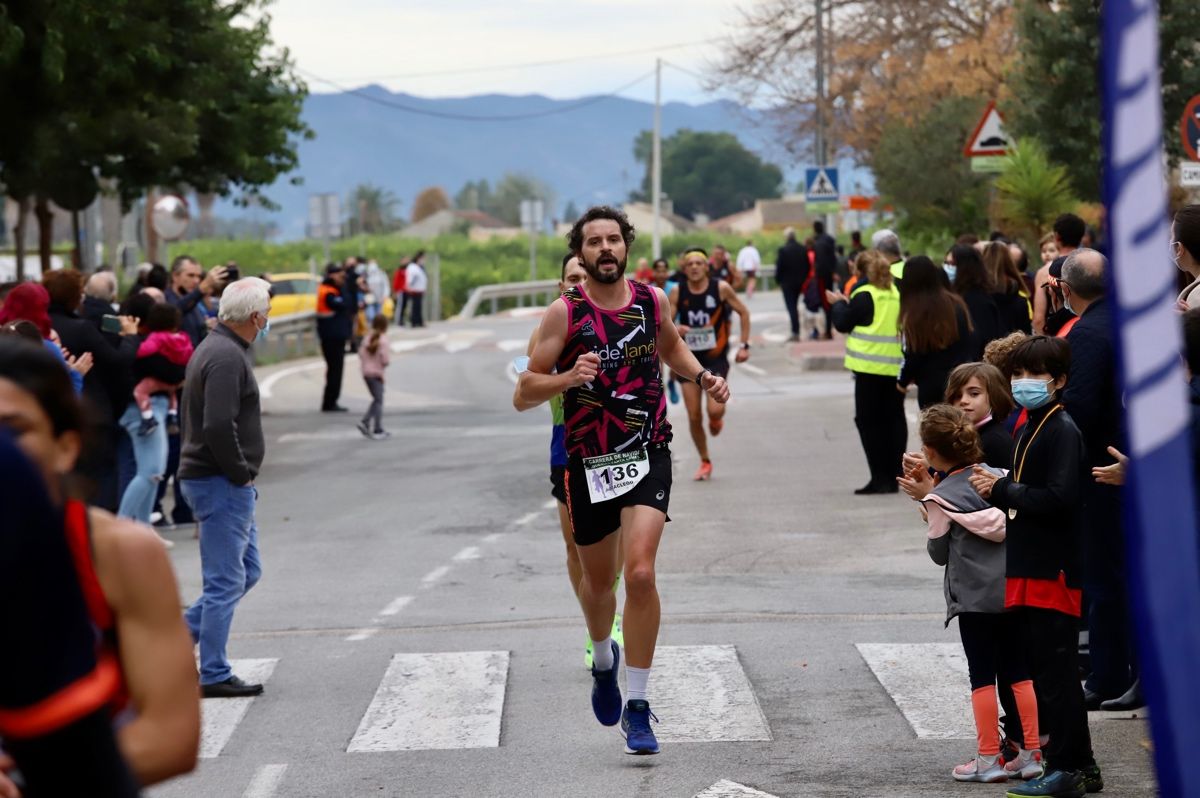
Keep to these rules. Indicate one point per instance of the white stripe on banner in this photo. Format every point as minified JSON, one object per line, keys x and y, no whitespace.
{"x":929,"y":683}
{"x":702,"y":695}
{"x":436,"y":702}
{"x":221,"y":716}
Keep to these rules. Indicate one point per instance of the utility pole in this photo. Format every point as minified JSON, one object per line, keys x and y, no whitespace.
{"x":820,"y":153}
{"x":656,"y":160}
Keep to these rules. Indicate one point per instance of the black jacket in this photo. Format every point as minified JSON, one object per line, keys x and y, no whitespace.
{"x":1091,"y":395}
{"x":985,"y":318}
{"x":1014,"y":313}
{"x":997,"y":444}
{"x":339,"y":326}
{"x":791,"y":265}
{"x":858,"y":312}
{"x":104,"y":387}
{"x":1043,"y":539}
{"x":825,"y":256}
{"x":930,"y":370}
{"x":195,"y":318}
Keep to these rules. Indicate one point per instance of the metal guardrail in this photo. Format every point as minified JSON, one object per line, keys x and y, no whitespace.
{"x":293,"y":335}
{"x":529,"y":292}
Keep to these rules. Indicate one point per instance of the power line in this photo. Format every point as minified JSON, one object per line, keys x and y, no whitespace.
{"x":532,"y":64}
{"x":360,"y":94}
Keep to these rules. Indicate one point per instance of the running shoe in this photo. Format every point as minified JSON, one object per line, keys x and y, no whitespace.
{"x":364,"y":429}
{"x":673,"y":391}
{"x":715,"y":425}
{"x":147,"y":426}
{"x":1057,"y":783}
{"x":635,"y":726}
{"x":380,"y":435}
{"x":1025,"y":765}
{"x":606,"y":692}
{"x":704,"y":473}
{"x":982,"y":768}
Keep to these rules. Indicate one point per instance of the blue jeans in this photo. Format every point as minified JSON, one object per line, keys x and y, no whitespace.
{"x":150,"y":452}
{"x":229,"y":564}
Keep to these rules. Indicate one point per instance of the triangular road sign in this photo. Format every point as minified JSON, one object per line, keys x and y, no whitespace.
{"x":989,"y":137}
{"x":821,"y":184}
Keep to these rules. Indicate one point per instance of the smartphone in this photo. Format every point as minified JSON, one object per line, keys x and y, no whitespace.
{"x":232,"y":274}
{"x":110,"y":323}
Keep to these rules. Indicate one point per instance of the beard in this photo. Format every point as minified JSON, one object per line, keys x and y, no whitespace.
{"x":605,"y":259}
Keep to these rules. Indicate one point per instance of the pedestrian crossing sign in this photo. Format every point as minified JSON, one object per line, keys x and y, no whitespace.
{"x":821,"y":184}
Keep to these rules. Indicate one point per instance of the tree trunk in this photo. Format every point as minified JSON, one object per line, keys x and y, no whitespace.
{"x":148,"y":227}
{"x":207,"y":226}
{"x":76,"y":244}
{"x":20,"y":230}
{"x":45,"y":220}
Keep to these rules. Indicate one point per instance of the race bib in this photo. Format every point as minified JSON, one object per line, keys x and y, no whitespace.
{"x":611,"y":475}
{"x":700,"y":339}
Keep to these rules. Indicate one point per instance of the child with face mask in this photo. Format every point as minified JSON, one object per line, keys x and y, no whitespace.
{"x":1043,"y":586}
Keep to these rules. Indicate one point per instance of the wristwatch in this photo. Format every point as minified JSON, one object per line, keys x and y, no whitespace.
{"x":745,"y":345}
{"x":700,"y":377}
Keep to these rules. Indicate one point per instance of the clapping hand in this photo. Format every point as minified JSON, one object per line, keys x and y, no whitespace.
{"x":982,"y":481}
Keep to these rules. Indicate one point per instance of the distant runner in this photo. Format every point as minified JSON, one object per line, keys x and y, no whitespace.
{"x":701,"y":308}
{"x":601,"y":344}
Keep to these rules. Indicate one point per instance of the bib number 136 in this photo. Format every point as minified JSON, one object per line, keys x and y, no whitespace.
{"x":612,"y":475}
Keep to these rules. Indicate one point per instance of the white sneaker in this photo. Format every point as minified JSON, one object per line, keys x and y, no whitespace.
{"x":986,"y":769}
{"x":382,"y":435}
{"x":1027,"y":765}
{"x":155,"y":517}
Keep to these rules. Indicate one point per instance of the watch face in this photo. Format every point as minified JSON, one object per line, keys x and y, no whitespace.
{"x":520,"y":364}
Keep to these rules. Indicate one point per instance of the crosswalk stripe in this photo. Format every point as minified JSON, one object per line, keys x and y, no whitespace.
{"x":266,"y":782}
{"x":221,"y":716}
{"x":731,"y":789}
{"x":702,"y":694}
{"x":929,"y":683}
{"x":436,"y":702}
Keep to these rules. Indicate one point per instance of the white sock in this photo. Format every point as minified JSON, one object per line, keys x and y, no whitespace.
{"x":147,"y":414}
{"x":602,"y":655}
{"x":636,"y":679}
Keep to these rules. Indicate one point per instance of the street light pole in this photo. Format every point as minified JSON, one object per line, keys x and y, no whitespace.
{"x":656,"y":160}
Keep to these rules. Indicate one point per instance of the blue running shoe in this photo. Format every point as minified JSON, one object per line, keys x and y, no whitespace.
{"x":606,"y":692}
{"x":635,"y":725}
{"x":673,"y":391}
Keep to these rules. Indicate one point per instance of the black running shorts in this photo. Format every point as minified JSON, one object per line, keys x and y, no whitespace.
{"x":591,"y":523}
{"x":717,"y":365}
{"x":558,"y":490}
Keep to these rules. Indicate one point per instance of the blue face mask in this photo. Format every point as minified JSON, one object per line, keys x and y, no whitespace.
{"x":950,"y":269}
{"x":262,"y":334}
{"x":1032,"y":394}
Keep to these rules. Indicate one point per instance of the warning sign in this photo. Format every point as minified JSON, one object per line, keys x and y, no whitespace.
{"x":989,"y":137}
{"x":820,"y":184}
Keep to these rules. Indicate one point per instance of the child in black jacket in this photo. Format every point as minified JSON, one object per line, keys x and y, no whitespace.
{"x":1043,"y":585}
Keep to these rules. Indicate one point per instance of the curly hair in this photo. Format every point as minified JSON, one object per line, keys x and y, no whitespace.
{"x":999,"y":352}
{"x":597,"y":212}
{"x":947,"y":431}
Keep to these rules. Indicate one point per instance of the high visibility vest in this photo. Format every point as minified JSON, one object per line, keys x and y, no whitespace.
{"x":323,"y":292}
{"x":898,"y":269}
{"x":875,"y":348}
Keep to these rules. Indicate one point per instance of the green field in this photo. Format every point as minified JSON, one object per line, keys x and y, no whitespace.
{"x":464,"y":264}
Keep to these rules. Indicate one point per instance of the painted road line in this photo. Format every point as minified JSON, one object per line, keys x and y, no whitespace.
{"x":266,"y":781}
{"x":527,"y":519}
{"x":321,"y":435}
{"x":460,"y":340}
{"x":731,"y":789}
{"x":363,"y":634}
{"x":513,"y":344}
{"x":416,"y":343}
{"x":436,"y":702}
{"x":396,"y":605}
{"x":702,"y":694}
{"x":761,"y":372}
{"x":929,"y":684}
{"x":434,"y":575}
{"x":267,"y":386}
{"x":220,"y":716}
{"x":469,"y":553}
{"x":492,"y":538}
{"x":774,"y":337}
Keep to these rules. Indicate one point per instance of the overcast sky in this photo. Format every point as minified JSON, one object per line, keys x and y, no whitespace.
{"x":396,"y":43}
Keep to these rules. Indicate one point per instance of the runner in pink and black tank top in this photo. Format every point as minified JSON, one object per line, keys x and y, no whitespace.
{"x":600,"y":347}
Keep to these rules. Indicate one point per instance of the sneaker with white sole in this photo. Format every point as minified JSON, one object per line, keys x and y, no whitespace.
{"x":986,"y":769}
{"x":635,"y":727}
{"x":1027,"y":765}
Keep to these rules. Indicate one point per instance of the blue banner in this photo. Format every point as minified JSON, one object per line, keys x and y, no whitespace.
{"x":1160,"y":518}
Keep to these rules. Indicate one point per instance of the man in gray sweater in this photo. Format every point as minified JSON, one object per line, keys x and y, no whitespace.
{"x":222,"y":451}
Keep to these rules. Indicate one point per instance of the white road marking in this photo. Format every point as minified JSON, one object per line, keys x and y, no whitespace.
{"x":761,"y":372}
{"x":702,"y":694}
{"x":267,"y":386}
{"x":527,"y":519}
{"x":492,"y":538}
{"x":396,"y":605}
{"x":350,"y":433}
{"x":416,"y":343}
{"x":265,"y":782}
{"x":434,"y":575}
{"x":220,"y":716}
{"x":469,"y":553}
{"x":774,"y":337}
{"x":436,"y":702}
{"x":513,"y":344}
{"x":464,"y":339}
{"x":731,"y":789}
{"x":363,"y":634}
{"x":321,"y":435}
{"x":929,"y":684}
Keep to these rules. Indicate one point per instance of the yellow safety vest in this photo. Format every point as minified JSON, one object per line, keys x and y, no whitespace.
{"x":898,"y":269}
{"x":875,"y":348}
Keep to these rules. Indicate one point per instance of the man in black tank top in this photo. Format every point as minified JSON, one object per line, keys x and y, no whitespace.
{"x":701,"y":309}
{"x":600,"y":346}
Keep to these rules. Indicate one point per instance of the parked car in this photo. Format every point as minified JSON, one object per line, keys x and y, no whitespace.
{"x":296,"y":292}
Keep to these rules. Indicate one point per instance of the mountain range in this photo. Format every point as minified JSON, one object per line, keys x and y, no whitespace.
{"x":582,"y":148}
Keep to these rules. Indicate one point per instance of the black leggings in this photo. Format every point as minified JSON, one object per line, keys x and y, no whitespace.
{"x":993,"y":657}
{"x":882,"y":427}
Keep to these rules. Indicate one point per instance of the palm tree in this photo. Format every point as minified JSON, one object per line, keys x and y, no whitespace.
{"x":374,"y":207}
{"x":1033,"y":190}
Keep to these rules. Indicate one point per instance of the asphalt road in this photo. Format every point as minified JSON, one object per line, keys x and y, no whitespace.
{"x":788,"y":603}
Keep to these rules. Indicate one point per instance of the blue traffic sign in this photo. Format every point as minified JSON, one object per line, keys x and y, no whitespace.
{"x":821,"y":184}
